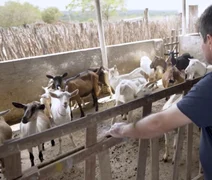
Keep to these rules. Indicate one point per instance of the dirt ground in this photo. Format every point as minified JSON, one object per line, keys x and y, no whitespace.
{"x":123,"y":157}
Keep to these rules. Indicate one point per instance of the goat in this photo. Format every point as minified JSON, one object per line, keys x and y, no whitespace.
{"x":158,"y":61}
{"x":5,"y":133}
{"x":180,"y":62}
{"x":46,"y":100}
{"x":103,"y":77}
{"x":145,"y":63}
{"x":115,"y":78}
{"x":60,"y":108}
{"x":196,"y":68}
{"x":33,"y":121}
{"x":128,"y":90}
{"x":167,"y":105}
{"x":86,"y":82}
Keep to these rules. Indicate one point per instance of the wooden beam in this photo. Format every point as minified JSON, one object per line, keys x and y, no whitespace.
{"x":184,"y":17}
{"x":101,"y":34}
{"x":68,"y":162}
{"x":189,"y":151}
{"x":90,"y":163}
{"x":143,"y":146}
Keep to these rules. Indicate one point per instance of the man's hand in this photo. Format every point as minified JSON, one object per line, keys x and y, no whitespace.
{"x":116,"y":130}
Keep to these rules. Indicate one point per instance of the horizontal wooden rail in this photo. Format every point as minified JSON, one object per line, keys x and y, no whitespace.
{"x":17,"y":145}
{"x":71,"y":160}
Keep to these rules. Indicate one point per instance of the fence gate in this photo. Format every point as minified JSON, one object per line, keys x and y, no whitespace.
{"x":171,"y":44}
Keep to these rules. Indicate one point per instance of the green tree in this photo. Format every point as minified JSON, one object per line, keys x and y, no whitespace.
{"x":14,"y":14}
{"x":51,"y":15}
{"x":109,"y":7}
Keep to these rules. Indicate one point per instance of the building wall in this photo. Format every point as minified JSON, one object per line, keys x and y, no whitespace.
{"x":192,"y":43}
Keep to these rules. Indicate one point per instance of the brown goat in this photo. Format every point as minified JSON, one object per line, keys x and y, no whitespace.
{"x":172,"y":75}
{"x":158,"y":61}
{"x":87,"y":82}
{"x":103,"y":77}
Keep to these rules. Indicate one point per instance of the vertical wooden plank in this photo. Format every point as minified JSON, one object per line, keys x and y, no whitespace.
{"x":177,"y":41}
{"x":193,"y":16}
{"x":143,"y":146}
{"x":12,"y":165}
{"x":104,"y":165}
{"x":172,"y":39}
{"x":178,"y":153}
{"x":184,"y":17}
{"x":165,"y":48}
{"x":154,"y":151}
{"x":101,"y":34}
{"x":189,"y":151}
{"x":90,"y":163}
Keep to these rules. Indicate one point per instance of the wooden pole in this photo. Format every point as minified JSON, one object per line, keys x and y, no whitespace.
{"x":101,"y":34}
{"x":193,"y":16}
{"x":184,"y":17}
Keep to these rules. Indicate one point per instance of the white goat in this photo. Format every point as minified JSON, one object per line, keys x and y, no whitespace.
{"x":145,"y":65}
{"x":5,"y":133}
{"x":196,"y":68}
{"x":46,"y":100}
{"x":115,"y":78}
{"x":167,"y":105}
{"x":33,"y":121}
{"x":60,"y":109}
{"x":128,"y":90}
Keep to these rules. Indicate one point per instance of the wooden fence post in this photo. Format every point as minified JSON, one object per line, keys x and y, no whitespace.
{"x":193,"y":16}
{"x":90,"y":163}
{"x":154,"y":156}
{"x":143,"y":146}
{"x":104,"y":165}
{"x":12,"y":166}
{"x":189,"y":151}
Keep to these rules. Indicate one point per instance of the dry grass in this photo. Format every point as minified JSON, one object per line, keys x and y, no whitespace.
{"x":39,"y":39}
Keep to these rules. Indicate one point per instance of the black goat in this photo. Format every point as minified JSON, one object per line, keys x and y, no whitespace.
{"x":182,"y":61}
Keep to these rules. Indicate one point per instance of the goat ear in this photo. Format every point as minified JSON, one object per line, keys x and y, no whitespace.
{"x":42,"y":106}
{"x":49,"y":76}
{"x":66,"y":88}
{"x":18,"y":105}
{"x":65,"y":74}
{"x":4,"y":112}
{"x":75,"y":92}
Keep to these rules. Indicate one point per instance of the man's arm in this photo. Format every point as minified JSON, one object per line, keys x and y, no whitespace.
{"x":153,"y":125}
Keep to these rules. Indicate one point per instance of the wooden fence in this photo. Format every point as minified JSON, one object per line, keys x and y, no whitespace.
{"x":40,"y":39}
{"x":171,"y":43}
{"x":10,"y":151}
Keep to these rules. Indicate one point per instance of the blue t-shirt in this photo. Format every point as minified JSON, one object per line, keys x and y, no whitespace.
{"x":197,"y":105}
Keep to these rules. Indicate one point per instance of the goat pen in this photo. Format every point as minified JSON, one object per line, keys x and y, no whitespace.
{"x":10,"y":151}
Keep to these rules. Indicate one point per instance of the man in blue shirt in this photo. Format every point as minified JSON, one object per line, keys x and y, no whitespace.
{"x":195,"y":107}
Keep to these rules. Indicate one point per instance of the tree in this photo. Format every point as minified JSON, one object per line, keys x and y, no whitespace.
{"x":15,"y":14}
{"x":51,"y":15}
{"x":109,"y":7}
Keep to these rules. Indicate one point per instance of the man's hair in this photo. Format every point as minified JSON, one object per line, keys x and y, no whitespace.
{"x":205,"y":23}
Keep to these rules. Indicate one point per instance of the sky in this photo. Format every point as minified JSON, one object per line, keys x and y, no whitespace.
{"x":130,"y":4}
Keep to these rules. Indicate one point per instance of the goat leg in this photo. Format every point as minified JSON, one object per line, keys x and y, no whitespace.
{"x":166,"y":154}
{"x":60,"y":144}
{"x":71,"y":137}
{"x":31,"y":156}
{"x":53,"y":142}
{"x":40,"y":153}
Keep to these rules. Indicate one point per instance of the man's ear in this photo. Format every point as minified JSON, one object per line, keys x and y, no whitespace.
{"x":209,"y":40}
